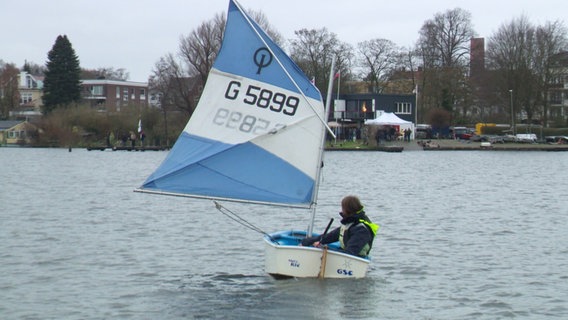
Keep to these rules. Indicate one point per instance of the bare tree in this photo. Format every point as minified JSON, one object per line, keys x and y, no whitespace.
{"x":176,"y":87}
{"x":444,"y":48}
{"x":519,"y":53}
{"x":551,"y":38}
{"x":9,"y":96}
{"x":378,"y":59}
{"x":199,"y":49}
{"x":262,"y":20}
{"x":106,"y":73}
{"x":180,"y":81}
{"x":34,"y":68}
{"x":313,"y":51}
{"x":445,"y":39}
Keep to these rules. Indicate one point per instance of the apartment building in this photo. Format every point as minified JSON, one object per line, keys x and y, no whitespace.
{"x":558,"y":93}
{"x":111,"y":95}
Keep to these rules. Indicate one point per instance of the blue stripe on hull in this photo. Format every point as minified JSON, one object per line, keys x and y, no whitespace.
{"x":242,"y":172}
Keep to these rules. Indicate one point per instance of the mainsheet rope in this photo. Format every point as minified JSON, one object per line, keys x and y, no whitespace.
{"x":235,"y":217}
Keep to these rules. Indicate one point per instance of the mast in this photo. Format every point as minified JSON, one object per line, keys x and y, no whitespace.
{"x":322,"y":148}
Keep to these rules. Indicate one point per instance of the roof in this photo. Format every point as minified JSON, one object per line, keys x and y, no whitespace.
{"x":388,"y":118}
{"x":114,"y":82}
{"x":7,"y":124}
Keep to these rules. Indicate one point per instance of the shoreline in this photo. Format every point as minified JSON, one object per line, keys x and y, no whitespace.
{"x":452,"y":145}
{"x":464,"y":145}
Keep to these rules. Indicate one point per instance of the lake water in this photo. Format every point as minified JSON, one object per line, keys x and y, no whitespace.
{"x":464,"y":235}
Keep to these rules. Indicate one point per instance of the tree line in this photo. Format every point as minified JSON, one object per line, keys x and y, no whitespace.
{"x":62,"y":74}
{"x":517,"y":59}
{"x":519,"y":67}
{"x":65,"y":121}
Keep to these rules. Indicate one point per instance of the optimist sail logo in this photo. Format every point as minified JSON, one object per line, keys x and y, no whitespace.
{"x":262,"y":59}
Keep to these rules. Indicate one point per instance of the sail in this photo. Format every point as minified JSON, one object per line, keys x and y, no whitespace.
{"x":256,"y":133}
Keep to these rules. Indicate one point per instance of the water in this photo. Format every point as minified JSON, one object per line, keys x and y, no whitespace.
{"x":464,"y":235}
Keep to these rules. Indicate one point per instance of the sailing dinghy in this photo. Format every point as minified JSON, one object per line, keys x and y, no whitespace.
{"x":257,"y":136}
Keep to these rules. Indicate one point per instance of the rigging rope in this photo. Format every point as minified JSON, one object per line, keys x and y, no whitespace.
{"x":233,"y":216}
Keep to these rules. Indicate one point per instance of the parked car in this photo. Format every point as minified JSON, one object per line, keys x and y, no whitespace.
{"x":556,"y":139}
{"x":526,"y":137}
{"x":423,"y":131}
{"x":463,"y":133}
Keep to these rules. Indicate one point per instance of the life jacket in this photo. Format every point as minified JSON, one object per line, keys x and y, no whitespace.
{"x":372,"y":227}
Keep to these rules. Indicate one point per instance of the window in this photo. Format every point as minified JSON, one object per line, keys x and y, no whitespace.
{"x":16,"y":134}
{"x":97,"y":90}
{"x":403,"y":108}
{"x":556,"y":97}
{"x":117,"y":93}
{"x":25,"y":98}
{"x":125,"y":94}
{"x":142,"y":94}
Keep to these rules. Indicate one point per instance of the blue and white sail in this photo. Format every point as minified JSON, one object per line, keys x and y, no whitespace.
{"x":256,"y":133}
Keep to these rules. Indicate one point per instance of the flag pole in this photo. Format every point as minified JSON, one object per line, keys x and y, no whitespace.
{"x":337,"y":99}
{"x":338,"y":82}
{"x":416,"y":105}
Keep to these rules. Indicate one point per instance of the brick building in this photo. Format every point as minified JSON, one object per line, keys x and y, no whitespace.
{"x":111,"y":95}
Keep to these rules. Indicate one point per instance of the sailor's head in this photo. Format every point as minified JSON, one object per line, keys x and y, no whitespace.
{"x":350,"y":205}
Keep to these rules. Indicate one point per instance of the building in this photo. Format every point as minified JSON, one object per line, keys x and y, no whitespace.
{"x":15,"y":133}
{"x":111,"y":95}
{"x":364,"y":106}
{"x":558,"y":92}
{"x":30,"y":89}
{"x":350,"y":111}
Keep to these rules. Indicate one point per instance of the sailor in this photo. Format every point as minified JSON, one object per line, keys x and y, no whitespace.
{"x":356,"y":233}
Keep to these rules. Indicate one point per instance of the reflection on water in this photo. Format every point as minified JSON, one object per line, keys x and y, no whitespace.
{"x":464,"y":235}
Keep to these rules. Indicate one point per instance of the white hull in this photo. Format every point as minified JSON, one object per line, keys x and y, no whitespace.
{"x":284,"y":258}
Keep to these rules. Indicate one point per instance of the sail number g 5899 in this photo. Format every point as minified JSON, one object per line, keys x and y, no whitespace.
{"x":263,"y":98}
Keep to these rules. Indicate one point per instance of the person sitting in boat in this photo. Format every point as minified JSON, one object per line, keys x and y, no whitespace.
{"x":356,"y":233}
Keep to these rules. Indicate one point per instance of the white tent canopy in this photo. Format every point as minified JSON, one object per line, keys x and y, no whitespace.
{"x":391,"y":119}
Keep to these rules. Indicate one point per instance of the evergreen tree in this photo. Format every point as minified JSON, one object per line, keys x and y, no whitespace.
{"x":61,"y":85}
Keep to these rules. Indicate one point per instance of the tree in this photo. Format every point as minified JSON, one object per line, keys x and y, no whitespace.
{"x":9,"y":96}
{"x":179,"y":80}
{"x":551,"y":39}
{"x":444,"y":47}
{"x":178,"y":89}
{"x":33,"y":68}
{"x":199,"y":49}
{"x":61,"y":85}
{"x":445,"y":38}
{"x":377,"y":59}
{"x":520,"y":55}
{"x":313,"y":51}
{"x":119,"y":74}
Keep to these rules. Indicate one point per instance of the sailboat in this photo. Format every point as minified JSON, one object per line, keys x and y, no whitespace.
{"x":257,"y":136}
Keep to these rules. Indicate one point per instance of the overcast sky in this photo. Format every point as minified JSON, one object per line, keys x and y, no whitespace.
{"x":134,"y":34}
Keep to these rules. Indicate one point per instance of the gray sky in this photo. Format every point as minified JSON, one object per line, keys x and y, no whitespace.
{"x":134,"y":34}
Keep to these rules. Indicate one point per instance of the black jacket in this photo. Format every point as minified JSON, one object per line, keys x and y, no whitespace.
{"x":356,"y":237}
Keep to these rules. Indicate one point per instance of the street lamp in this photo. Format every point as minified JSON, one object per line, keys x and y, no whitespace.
{"x":512,"y":112}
